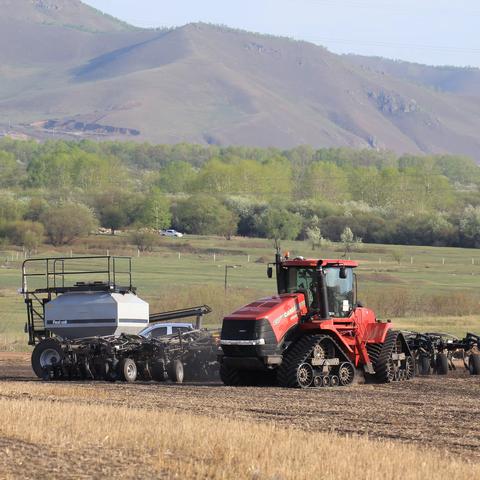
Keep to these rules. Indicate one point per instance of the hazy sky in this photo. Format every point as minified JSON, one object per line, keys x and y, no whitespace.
{"x":427,"y":31}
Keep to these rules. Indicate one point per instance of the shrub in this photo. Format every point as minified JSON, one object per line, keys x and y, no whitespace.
{"x":144,"y":240}
{"x":23,"y":233}
{"x":65,"y":223}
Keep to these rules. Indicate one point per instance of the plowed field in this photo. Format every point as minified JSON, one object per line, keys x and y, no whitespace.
{"x":435,"y":411}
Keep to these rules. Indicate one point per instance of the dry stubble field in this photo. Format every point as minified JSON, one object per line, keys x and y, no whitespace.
{"x":427,"y":428}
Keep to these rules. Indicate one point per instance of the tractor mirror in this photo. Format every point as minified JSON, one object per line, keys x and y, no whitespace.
{"x":343,"y":272}
{"x":269,"y":272}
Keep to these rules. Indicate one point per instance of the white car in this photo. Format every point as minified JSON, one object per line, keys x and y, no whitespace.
{"x":161,"y":329}
{"x":171,"y":233}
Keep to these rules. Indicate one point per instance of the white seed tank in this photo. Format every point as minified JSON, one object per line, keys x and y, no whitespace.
{"x":95,"y":314}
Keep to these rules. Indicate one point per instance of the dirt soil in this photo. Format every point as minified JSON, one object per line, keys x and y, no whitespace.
{"x":442,"y":412}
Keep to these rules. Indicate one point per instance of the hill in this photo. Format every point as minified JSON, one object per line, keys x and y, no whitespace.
{"x":65,"y":13}
{"x":70,"y":71}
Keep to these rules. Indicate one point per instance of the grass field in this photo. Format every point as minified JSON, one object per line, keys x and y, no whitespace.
{"x":419,"y":287}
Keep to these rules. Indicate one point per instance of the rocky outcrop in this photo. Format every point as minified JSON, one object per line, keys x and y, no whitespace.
{"x":76,"y":126}
{"x":392,"y":103}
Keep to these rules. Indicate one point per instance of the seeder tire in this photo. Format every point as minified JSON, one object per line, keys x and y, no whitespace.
{"x":176,"y":372}
{"x":43,"y":354}
{"x":128,"y":370}
{"x":424,"y":367}
{"x":474,"y":364}
{"x":442,"y":364}
{"x":157,"y":371}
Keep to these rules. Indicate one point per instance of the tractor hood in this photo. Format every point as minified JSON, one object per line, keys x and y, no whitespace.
{"x":277,"y":315}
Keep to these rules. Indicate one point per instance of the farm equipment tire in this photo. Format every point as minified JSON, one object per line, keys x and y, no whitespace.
{"x":305,"y":375}
{"x":387,"y":368}
{"x":46,"y":354}
{"x":424,"y":367}
{"x":176,"y":372}
{"x":442,"y":364}
{"x":346,"y":374}
{"x":157,"y":371}
{"x":128,"y":370}
{"x":474,"y":364}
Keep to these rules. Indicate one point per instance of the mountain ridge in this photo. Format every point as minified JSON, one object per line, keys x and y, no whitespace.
{"x":211,"y":84}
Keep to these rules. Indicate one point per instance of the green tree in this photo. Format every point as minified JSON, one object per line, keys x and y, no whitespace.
{"x":10,"y":207}
{"x":326,"y":181}
{"x":35,"y":209}
{"x":26,"y":234}
{"x":204,"y":215}
{"x":177,"y":177}
{"x":279,"y":224}
{"x":113,"y":217}
{"x":349,"y":241}
{"x":117,"y":208}
{"x":314,"y":234}
{"x":10,"y":172}
{"x":156,"y":211}
{"x":67,"y":222}
{"x":470,"y":226}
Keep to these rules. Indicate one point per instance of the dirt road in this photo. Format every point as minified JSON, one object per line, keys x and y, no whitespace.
{"x":439,"y":412}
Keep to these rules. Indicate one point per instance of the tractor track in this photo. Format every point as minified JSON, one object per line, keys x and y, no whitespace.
{"x":434,"y":412}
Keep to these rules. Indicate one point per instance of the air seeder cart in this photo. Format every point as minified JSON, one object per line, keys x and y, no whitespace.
{"x":90,"y":329}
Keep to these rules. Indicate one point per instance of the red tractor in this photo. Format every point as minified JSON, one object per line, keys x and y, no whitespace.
{"x":314,"y":333}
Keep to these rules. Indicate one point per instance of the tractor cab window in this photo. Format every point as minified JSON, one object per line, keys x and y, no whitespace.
{"x":340,"y":292}
{"x":303,"y":280}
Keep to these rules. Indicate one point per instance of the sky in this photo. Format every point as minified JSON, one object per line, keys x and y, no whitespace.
{"x":435,"y":32}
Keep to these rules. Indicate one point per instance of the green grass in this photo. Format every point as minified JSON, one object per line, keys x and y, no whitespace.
{"x":431,"y":289}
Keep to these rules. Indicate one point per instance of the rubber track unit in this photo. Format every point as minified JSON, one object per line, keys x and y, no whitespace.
{"x":230,"y":376}
{"x":298,"y":354}
{"x":381,"y":365}
{"x":374,"y":350}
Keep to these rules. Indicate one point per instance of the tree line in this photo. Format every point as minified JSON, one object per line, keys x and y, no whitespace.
{"x":59,"y":190}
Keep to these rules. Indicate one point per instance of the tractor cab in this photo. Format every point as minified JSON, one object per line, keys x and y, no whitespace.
{"x":329,"y":286}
